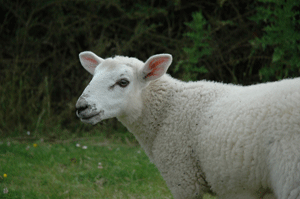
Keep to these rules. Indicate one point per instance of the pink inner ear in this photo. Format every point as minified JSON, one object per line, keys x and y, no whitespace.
{"x":153,"y":66}
{"x":91,"y":60}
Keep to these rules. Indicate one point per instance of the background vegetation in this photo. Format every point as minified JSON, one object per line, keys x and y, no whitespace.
{"x":232,"y":41}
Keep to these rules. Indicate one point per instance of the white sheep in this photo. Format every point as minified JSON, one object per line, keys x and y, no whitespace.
{"x":238,"y":142}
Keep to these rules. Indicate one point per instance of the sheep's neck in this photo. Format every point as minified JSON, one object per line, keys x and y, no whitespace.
{"x":156,"y":101}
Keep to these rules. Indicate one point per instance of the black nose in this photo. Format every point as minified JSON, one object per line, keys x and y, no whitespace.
{"x":81,"y":106}
{"x":80,"y":109}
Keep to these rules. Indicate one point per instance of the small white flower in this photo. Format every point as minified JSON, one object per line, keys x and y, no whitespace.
{"x":138,"y":151}
{"x":42,"y":140}
{"x":78,"y":145}
{"x":28,"y":132}
{"x":100,"y":165}
{"x":5,"y":190}
{"x":84,"y":147}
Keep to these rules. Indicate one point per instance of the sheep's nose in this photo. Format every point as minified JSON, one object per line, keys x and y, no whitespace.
{"x":81,"y":106}
{"x":80,"y":109}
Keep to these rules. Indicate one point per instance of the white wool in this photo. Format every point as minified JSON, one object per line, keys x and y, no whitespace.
{"x":207,"y":137}
{"x":242,"y":139}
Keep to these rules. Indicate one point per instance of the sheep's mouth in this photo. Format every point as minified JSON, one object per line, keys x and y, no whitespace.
{"x":91,"y":119}
{"x":88,"y":117}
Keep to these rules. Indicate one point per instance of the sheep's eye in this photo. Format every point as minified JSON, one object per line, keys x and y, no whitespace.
{"x":123,"y":82}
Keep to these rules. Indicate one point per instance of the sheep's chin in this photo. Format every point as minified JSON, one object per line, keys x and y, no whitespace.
{"x":92,"y":120}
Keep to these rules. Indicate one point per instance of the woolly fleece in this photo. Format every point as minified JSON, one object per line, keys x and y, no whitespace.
{"x":229,"y":140}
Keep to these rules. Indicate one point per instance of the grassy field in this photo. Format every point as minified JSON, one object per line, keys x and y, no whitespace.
{"x":92,"y":167}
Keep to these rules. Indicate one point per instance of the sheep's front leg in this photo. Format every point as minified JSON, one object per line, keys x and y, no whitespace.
{"x":295,"y":193}
{"x":269,"y":196}
{"x":284,"y":164}
{"x":179,"y":194}
{"x":182,"y":186}
{"x":247,"y":195}
{"x":244,"y":195}
{"x":180,"y":176}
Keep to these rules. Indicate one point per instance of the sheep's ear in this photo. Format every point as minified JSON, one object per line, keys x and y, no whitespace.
{"x":89,"y":61}
{"x":156,"y":66}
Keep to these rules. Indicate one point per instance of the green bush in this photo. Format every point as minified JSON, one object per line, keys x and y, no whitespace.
{"x":201,"y":47}
{"x":281,"y":22}
{"x":246,"y":45}
{"x":41,"y":78}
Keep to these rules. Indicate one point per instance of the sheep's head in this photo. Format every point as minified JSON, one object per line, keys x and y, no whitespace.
{"x":115,"y":89}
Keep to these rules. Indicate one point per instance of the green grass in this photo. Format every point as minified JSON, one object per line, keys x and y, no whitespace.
{"x":63,"y":170}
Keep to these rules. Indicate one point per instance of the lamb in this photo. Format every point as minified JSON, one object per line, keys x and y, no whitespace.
{"x":238,"y":142}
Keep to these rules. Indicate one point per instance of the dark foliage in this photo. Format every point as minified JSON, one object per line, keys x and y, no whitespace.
{"x":41,"y":77}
